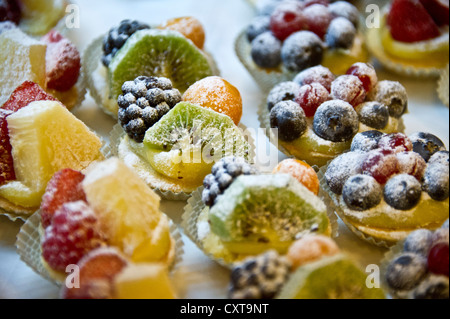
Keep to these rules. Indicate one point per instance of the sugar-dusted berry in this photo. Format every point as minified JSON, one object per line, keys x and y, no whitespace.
{"x":284,"y":91}
{"x":312,"y":96}
{"x":396,"y":142}
{"x":426,"y":144}
{"x":406,"y":271}
{"x":412,"y":164}
{"x":373,"y":114}
{"x":336,"y":121}
{"x":348,"y":88}
{"x":345,"y":10}
{"x":342,"y":168}
{"x":436,"y":181}
{"x":301,"y":50}
{"x":380,"y":165}
{"x":316,"y":74}
{"x":438,"y":259}
{"x":266,"y":50}
{"x":340,"y":34}
{"x":362,"y":192}
{"x":393,"y":95}
{"x":257,"y":26}
{"x":419,"y":242}
{"x":403,"y":192}
{"x":366,"y":73}
{"x":366,"y":141}
{"x":290,"y":120}
{"x":318,"y":18}
{"x":287,"y":18}
{"x":432,"y":287}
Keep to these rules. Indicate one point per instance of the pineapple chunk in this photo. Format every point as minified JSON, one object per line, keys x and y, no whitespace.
{"x":128,"y":211}
{"x":45,"y":138}
{"x":39,"y":16}
{"x":144,"y":281}
{"x":22,"y":59}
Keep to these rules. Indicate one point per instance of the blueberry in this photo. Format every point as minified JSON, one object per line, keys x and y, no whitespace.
{"x":266,"y":50}
{"x":374,"y":114}
{"x":285,"y":91}
{"x":446,"y":224}
{"x":341,"y":34}
{"x":436,"y":181}
{"x":432,"y":287}
{"x":366,"y":141}
{"x":441,"y":235}
{"x":342,"y":168}
{"x":403,"y":192}
{"x":302,"y":50}
{"x":406,"y":271}
{"x":362,"y":192}
{"x":426,"y":144}
{"x":258,"y":25}
{"x":290,"y":120}
{"x":267,"y":7}
{"x":419,"y":242}
{"x":393,"y":95}
{"x":336,"y":121}
{"x":439,"y":158}
{"x":345,"y":10}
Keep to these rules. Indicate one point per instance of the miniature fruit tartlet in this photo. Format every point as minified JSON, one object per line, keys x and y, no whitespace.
{"x":107,"y":209}
{"x":313,"y":268}
{"x":413,"y":37}
{"x":298,"y":35}
{"x":417,"y":268}
{"x":240,"y":213}
{"x":389,"y":185}
{"x":39,"y":137}
{"x":315,"y":117}
{"x":172,"y":141}
{"x":173,"y":50}
{"x":52,"y":62}
{"x":33,"y":17}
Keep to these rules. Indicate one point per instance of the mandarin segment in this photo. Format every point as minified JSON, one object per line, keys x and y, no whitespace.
{"x":302,"y":172}
{"x":190,"y":27}
{"x":216,"y":94}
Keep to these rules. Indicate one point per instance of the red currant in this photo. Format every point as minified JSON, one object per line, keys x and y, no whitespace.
{"x":312,"y":96}
{"x":318,"y":19}
{"x":380,"y":165}
{"x":349,"y":88}
{"x":287,"y":19}
{"x":366,"y":73}
{"x":396,"y":142}
{"x":438,"y":259}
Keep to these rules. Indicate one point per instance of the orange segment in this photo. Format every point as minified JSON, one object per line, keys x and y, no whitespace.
{"x":301,"y":171}
{"x":190,"y":27}
{"x":217,"y":94}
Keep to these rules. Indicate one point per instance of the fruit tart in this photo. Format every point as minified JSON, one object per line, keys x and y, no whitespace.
{"x":313,"y":268}
{"x":39,"y":137}
{"x":413,"y":37}
{"x":389,"y":185}
{"x":34,"y":17}
{"x":417,"y":268}
{"x":118,"y":225}
{"x":172,"y":141}
{"x":315,"y":117}
{"x":296,"y":35}
{"x":53,"y":62}
{"x":173,"y":50}
{"x":240,"y":212}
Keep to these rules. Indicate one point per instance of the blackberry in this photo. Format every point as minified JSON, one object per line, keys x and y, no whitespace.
{"x":144,"y":102}
{"x":259,"y":278}
{"x":223,"y":174}
{"x":117,"y":37}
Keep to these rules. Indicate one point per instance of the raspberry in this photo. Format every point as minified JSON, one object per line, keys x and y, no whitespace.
{"x":287,"y":18}
{"x":349,"y":88}
{"x":117,"y":37}
{"x":64,"y":187}
{"x":318,"y":18}
{"x":366,"y":73}
{"x":396,"y":142}
{"x":223,"y":174}
{"x":259,"y":278}
{"x":73,"y":233}
{"x":316,"y":74}
{"x":380,"y":166}
{"x":311,"y":97}
{"x":144,"y":102}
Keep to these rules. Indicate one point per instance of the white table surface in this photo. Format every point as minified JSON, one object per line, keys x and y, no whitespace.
{"x":198,"y":277}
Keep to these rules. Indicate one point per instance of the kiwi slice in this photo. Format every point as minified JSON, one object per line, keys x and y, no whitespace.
{"x":266,"y":210}
{"x":186,"y":142}
{"x":159,"y":53}
{"x":335,"y":277}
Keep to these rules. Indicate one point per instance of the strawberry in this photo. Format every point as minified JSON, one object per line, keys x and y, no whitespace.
{"x":6,"y":160}
{"x":410,"y":22}
{"x":74,"y":232}
{"x":438,"y":9}
{"x":97,"y":271}
{"x":63,"y":62}
{"x":26,"y":93}
{"x":65,"y":186}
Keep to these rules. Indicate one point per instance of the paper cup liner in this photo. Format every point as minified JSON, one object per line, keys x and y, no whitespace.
{"x":264,"y":120}
{"x":443,"y":86}
{"x":395,"y":65}
{"x":96,"y":75}
{"x":190,"y":224}
{"x":163,"y":186}
{"x":28,"y":246}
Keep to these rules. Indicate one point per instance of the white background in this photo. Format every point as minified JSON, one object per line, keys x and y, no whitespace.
{"x":223,"y":20}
